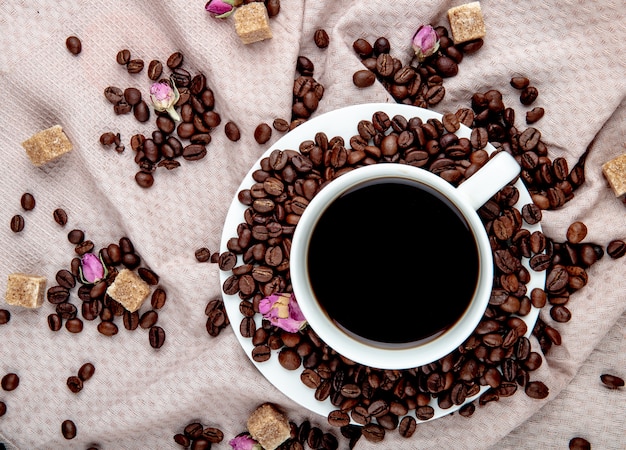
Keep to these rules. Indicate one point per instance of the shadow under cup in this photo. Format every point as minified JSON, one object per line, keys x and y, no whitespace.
{"x":391,"y":266}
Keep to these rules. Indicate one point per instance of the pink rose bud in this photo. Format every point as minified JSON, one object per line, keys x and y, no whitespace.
{"x":92,"y":269}
{"x":244,"y":442}
{"x":283,"y":311}
{"x":164,"y":96}
{"x":220,"y":9}
{"x":425,"y":42}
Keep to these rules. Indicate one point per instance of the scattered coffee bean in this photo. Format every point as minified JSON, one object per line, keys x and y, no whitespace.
{"x":262,"y":133}
{"x":363,"y":78}
{"x":156,"y":337}
{"x":232,"y":131}
{"x":616,"y":248}
{"x":537,"y":390}
{"x":144,"y":179}
{"x":27,"y":201}
{"x":203,"y":254}
{"x":123,"y":57}
{"x":175,"y":60}
{"x":74,"y":45}
{"x":10,"y":382}
{"x":60,"y":216}
{"x":5,"y":316}
{"x":612,"y":381}
{"x":528,"y":95}
{"x":86,"y":371}
{"x":68,"y":429}
{"x":3,"y":408}
{"x":17,"y":223}
{"x":75,"y":384}
{"x":579,"y":443}
{"x":74,"y":325}
{"x":135,"y":66}
{"x":520,"y":82}
{"x":321,"y":39}
{"x":576,"y":232}
{"x":155,"y":69}
{"x":534,"y":115}
{"x":280,"y":125}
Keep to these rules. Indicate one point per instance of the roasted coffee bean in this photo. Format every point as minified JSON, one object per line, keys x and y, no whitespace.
{"x":534,"y":114}
{"x":175,"y":60}
{"x":202,"y":254}
{"x":425,"y":412}
{"x":280,"y":125}
{"x":113,"y":94}
{"x":144,"y":179}
{"x":54,"y":322}
{"x":74,"y":325}
{"x":75,"y":384}
{"x":148,"y":276}
{"x":132,"y":96}
{"x":262,"y":133}
{"x":84,"y":247}
{"x":3,"y":408}
{"x":576,"y":232}
{"x":520,"y":82}
{"x":435,"y":94}
{"x":5,"y":316}
{"x":232,"y":131}
{"x":362,"y":48}
{"x":531,"y":214}
{"x":289,"y":358}
{"x":182,"y":440}
{"x":66,"y":310}
{"x":321,"y":39}
{"x":134,"y":66}
{"x":123,"y":56}
{"x":612,"y":381}
{"x":65,"y":279}
{"x":247,"y":327}
{"x":373,"y":432}
{"x":156,"y":336}
{"x":529,"y":139}
{"x":536,"y":390}
{"x":76,"y":236}
{"x":68,"y":429}
{"x":155,"y":69}
{"x":338,"y":418}
{"x":446,"y":67}
{"x":86,"y":371}
{"x":10,"y":382}
{"x":17,"y":223}
{"x":528,"y":95}
{"x":384,"y":65}
{"x":616,"y":248}
{"x":57,"y":294}
{"x":261,"y":353}
{"x":213,"y":435}
{"x":305,"y":66}
{"x":107,"y":328}
{"x":73,"y":45}
{"x":27,"y":201}
{"x":148,"y":319}
{"x":60,"y":216}
{"x":407,"y":426}
{"x":131,"y":320}
{"x":579,"y":443}
{"x":141,"y":111}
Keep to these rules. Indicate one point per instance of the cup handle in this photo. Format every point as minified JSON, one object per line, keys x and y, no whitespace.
{"x":492,"y":177}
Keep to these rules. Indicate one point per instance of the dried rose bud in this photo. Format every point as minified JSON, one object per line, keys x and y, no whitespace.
{"x":425,"y":42}
{"x":164,"y":96}
{"x":92,"y":269}
{"x":220,"y":9}
{"x":283,"y":311}
{"x":244,"y":442}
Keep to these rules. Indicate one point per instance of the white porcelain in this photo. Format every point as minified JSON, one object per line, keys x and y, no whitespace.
{"x":341,"y":122}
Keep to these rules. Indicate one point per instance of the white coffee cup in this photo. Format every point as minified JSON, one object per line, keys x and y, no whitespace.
{"x":467,"y":198}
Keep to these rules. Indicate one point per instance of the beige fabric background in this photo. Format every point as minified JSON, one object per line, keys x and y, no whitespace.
{"x":573,"y":51}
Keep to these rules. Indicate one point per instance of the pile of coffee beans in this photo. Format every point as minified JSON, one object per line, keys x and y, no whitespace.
{"x":170,"y":140}
{"x":198,"y":437}
{"x":96,"y":303}
{"x":419,"y":84}
{"x":285,"y":183}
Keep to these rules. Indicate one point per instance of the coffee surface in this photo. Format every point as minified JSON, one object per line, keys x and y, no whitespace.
{"x":393,"y":263}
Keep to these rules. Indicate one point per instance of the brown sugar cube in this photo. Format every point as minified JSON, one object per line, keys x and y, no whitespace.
{"x":25,"y":290}
{"x":466,"y":22}
{"x":47,"y":145}
{"x":615,"y":173}
{"x":268,"y":426}
{"x":252,"y":23}
{"x":129,"y":290}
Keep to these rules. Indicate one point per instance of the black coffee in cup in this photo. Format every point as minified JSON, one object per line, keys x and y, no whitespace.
{"x":393,"y":262}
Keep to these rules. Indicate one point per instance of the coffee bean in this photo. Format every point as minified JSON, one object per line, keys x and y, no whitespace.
{"x":531,"y":214}
{"x":84,"y":247}
{"x":65,"y":279}
{"x":203,"y":254}
{"x":529,"y":139}
{"x":134,"y":66}
{"x":76,"y":236}
{"x":373,"y":432}
{"x":576,"y":232}
{"x":537,"y":390}
{"x":321,"y":39}
{"x":232,"y":131}
{"x":280,"y":125}
{"x":141,"y":111}
{"x":107,"y":328}
{"x":148,"y":319}
{"x":579,"y":443}
{"x":362,"y":48}
{"x":5,"y":316}
{"x":68,"y":429}
{"x":144,"y":179}
{"x":612,"y":381}
{"x":407,"y":426}
{"x":3,"y":408}
{"x":338,"y":418}
{"x":528,"y":95}
{"x":155,"y":69}
{"x":156,"y":337}
{"x":86,"y":371}
{"x":122,"y":57}
{"x":27,"y":201}
{"x":520,"y":82}
{"x":54,"y":322}
{"x":57,"y":294}
{"x":131,"y":320}
{"x":534,"y":115}
{"x":289,"y":358}
{"x":262,"y":133}
{"x":616,"y":248}
{"x":363,"y":78}
{"x":60,"y":216}
{"x":75,"y":384}
{"x":17,"y":223}
{"x":446,"y":67}
{"x":10,"y":382}
{"x":74,"y":45}
{"x":74,"y":325}
{"x":175,"y":60}
{"x":261,"y":353}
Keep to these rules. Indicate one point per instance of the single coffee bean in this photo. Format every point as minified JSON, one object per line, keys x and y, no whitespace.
{"x":131,"y":320}
{"x":446,"y":67}
{"x":536,"y":389}
{"x":616,"y":248}
{"x":194,"y":152}
{"x":113,"y":94}
{"x":321,"y":39}
{"x":576,"y":232}
{"x":75,"y":384}
{"x":141,"y":111}
{"x":148,"y":275}
{"x":156,"y":337}
{"x":338,"y":418}
{"x":5,"y":316}
{"x":60,"y":216}
{"x":280,"y":125}
{"x":132,"y":96}
{"x":144,"y":179}
{"x":407,"y":426}
{"x":54,"y":322}
{"x":363,"y":78}
{"x":10,"y":382}
{"x":261,"y":353}
{"x":155,"y":69}
{"x":528,"y":95}
{"x":213,"y":435}
{"x":27,"y":201}
{"x":65,"y":279}
{"x":86,"y":371}
{"x":84,"y":247}
{"x":107,"y":328}
{"x":3,"y":408}
{"x":58,"y":294}
{"x":579,"y":443}
{"x":74,"y":45}
{"x":289,"y":358}
{"x":17,"y":223}
{"x":76,"y":236}
{"x":612,"y":381}
{"x":232,"y":131}
{"x":534,"y":115}
{"x":182,"y":440}
{"x":122,"y":57}
{"x":262,"y":133}
{"x":520,"y":82}
{"x":68,"y":429}
{"x":203,"y":254}
{"x":362,"y":48}
{"x":531,"y":213}
{"x":175,"y":60}
{"x":373,"y":432}
{"x":148,"y":319}
{"x":135,"y":66}
{"x":74,"y":325}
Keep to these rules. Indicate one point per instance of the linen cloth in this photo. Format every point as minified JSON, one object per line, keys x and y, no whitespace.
{"x":572,"y":51}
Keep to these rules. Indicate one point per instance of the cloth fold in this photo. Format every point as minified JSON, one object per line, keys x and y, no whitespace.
{"x":140,"y":397}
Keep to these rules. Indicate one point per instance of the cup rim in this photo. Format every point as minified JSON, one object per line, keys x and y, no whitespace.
{"x":402,"y":356}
